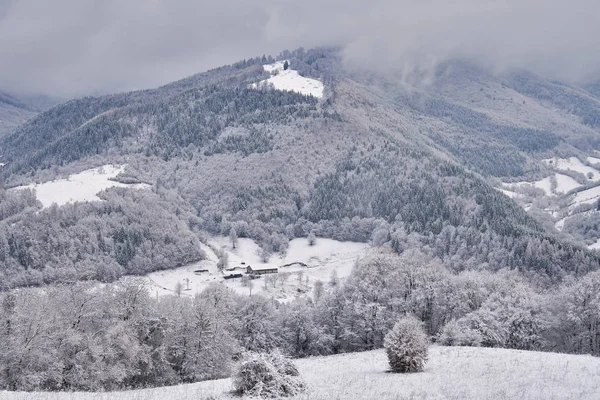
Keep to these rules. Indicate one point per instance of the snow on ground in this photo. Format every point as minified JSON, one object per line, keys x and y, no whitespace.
{"x":509,"y":193}
{"x":316,"y":262}
{"x":595,"y":246}
{"x":573,"y":164}
{"x":594,"y":160}
{"x":164,"y":282}
{"x":291,"y":80}
{"x":588,"y":196}
{"x":544,"y":184}
{"x":452,"y":373}
{"x":83,"y":186}
{"x":565,"y":183}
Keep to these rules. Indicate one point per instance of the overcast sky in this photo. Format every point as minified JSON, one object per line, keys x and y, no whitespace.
{"x":77,"y":47}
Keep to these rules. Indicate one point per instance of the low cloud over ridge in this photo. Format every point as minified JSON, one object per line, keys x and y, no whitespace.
{"x":78,"y":47}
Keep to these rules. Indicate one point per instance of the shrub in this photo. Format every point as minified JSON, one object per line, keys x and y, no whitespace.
{"x":459,"y":334}
{"x":406,"y":346}
{"x":268,"y":375}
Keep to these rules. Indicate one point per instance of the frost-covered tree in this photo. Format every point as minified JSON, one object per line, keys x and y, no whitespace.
{"x":318,"y":289}
{"x":406,"y":346}
{"x":269,"y":375}
{"x":459,"y":334}
{"x":223,"y":260}
{"x":178,"y":289}
{"x":576,"y":316}
{"x":233,"y":237}
{"x":265,"y":253}
{"x":312,"y":239}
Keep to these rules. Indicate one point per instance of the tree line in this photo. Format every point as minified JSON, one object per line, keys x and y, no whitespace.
{"x":83,"y":337}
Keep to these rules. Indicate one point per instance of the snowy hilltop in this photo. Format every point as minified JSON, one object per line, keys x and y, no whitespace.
{"x":285,"y":78}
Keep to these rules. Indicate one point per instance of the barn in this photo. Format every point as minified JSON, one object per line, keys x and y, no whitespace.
{"x":260,"y":271}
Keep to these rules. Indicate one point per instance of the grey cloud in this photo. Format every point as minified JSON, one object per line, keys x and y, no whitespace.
{"x":75,"y":47}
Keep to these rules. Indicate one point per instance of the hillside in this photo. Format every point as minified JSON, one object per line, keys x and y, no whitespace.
{"x":452,"y":373}
{"x":406,"y":161}
{"x":16,"y":110}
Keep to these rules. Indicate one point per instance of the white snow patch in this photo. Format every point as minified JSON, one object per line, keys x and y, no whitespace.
{"x":588,"y":196}
{"x":466,"y":373}
{"x":565,"y":183}
{"x":545,"y":185}
{"x":291,"y":80}
{"x":83,"y":186}
{"x":573,"y":164}
{"x":316,"y":262}
{"x":594,"y":160}
{"x":509,"y":193}
{"x":595,"y":246}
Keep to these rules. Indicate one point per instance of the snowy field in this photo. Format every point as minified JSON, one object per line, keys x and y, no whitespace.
{"x":588,"y":196}
{"x":300,"y":262}
{"x":573,"y":164}
{"x":83,"y":186}
{"x":291,"y":80}
{"x":594,"y":160}
{"x":564,"y":184}
{"x":452,"y":373}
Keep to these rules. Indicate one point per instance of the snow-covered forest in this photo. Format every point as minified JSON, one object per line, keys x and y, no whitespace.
{"x":82,"y":337}
{"x":448,"y":187}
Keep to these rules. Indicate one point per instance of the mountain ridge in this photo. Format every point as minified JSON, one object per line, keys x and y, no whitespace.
{"x":372,"y":155}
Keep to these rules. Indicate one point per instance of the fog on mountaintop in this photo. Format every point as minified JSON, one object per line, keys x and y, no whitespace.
{"x":78,"y":47}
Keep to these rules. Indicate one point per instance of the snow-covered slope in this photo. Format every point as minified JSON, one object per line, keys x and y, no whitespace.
{"x":291,"y":80}
{"x":588,"y":196}
{"x":83,"y":186}
{"x":573,"y":164}
{"x":563,"y":197}
{"x":301,"y":262}
{"x":452,"y":373}
{"x":564,"y":184}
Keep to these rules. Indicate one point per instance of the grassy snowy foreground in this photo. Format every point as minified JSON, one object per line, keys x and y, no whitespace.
{"x":452,"y":373}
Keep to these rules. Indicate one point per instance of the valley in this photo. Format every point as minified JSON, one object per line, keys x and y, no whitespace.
{"x":302,"y":204}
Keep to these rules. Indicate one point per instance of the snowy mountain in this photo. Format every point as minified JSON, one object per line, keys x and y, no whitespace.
{"x":153,"y":238}
{"x":15,"y":110}
{"x":319,"y":147}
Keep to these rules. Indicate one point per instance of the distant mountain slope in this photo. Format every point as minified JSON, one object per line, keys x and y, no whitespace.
{"x":15,"y":110}
{"x":412,"y":161}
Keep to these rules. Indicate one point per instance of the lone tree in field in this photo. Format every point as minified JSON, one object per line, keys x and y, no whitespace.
{"x":268,"y":375}
{"x":223,"y":260}
{"x":233,"y":237}
{"x":312,"y":239}
{"x":406,"y":346}
{"x":286,"y":65}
